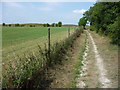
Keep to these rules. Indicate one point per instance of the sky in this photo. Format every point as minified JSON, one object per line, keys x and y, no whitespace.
{"x":43,"y":12}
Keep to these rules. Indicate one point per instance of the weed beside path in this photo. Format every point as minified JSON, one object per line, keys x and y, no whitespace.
{"x":65,"y":74}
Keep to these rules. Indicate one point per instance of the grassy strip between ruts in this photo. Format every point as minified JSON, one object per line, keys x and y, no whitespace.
{"x":31,"y":70}
{"x":79,"y":64}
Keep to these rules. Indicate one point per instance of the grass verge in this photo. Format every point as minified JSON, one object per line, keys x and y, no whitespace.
{"x":79,"y":64}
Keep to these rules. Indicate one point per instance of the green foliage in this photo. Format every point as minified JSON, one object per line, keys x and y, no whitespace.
{"x":16,"y":25}
{"x":3,"y":24}
{"x":53,"y":24}
{"x":114,"y":31}
{"x":82,"y":22}
{"x":46,"y":25}
{"x":59,"y":24}
{"x":30,"y":25}
{"x":103,"y":18}
{"x":9,"y":25}
{"x":56,"y":25}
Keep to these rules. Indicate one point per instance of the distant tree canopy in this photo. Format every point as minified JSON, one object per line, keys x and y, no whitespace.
{"x":104,"y":18}
{"x":82,"y":22}
{"x":9,"y":25}
{"x":56,"y":25}
{"x":46,"y":25}
{"x":16,"y":25}
{"x":59,"y":24}
{"x":30,"y":25}
{"x":53,"y":25}
{"x":3,"y":24}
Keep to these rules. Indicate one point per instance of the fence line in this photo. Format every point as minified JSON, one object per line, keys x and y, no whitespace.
{"x":49,"y":40}
{"x":68,"y":31}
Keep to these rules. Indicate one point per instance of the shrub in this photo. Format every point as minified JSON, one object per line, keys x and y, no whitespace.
{"x":114,"y":31}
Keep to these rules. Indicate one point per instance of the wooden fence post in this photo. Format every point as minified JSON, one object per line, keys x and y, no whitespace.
{"x":49,"y":43}
{"x":68,"y":31}
{"x":75,"y":29}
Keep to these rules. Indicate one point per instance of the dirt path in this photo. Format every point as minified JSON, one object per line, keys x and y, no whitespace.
{"x":99,"y":65}
{"x":96,"y":70}
{"x":109,"y":54}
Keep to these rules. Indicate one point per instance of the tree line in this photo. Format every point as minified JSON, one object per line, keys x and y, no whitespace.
{"x":59,"y":24}
{"x":104,"y":18}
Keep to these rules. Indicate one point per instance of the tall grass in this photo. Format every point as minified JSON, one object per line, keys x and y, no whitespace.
{"x":30,"y":71}
{"x":78,"y":66}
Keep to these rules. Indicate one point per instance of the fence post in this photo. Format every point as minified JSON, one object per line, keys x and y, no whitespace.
{"x":75,"y":29}
{"x":68,"y":31}
{"x":49,"y":43}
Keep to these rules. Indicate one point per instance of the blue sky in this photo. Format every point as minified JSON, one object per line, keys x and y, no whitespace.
{"x":43,"y":12}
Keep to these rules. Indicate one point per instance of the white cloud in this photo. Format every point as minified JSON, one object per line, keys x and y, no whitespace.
{"x":13,"y":4}
{"x":79,"y":11}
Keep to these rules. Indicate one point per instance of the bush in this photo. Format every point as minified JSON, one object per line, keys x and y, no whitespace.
{"x":3,"y":24}
{"x":59,"y":24}
{"x":16,"y":25}
{"x":114,"y":32}
{"x":104,"y":18}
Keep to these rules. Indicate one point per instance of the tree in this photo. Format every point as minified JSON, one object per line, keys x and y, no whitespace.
{"x":9,"y":25}
{"x":44,"y":25}
{"x":47,"y":25}
{"x":31,"y":26}
{"x":59,"y":24}
{"x":16,"y":25}
{"x":53,"y":24}
{"x":82,"y":22}
{"x":22,"y":25}
{"x":104,"y":18}
{"x":3,"y":24}
{"x":56,"y":25}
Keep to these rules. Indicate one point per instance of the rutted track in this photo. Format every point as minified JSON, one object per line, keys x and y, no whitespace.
{"x":94,"y":72}
{"x":99,"y":62}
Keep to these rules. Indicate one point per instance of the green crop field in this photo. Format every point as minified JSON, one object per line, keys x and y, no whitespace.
{"x":22,"y":40}
{"x":12,"y":34}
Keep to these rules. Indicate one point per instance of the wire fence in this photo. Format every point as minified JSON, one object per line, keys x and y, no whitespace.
{"x":24,"y":47}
